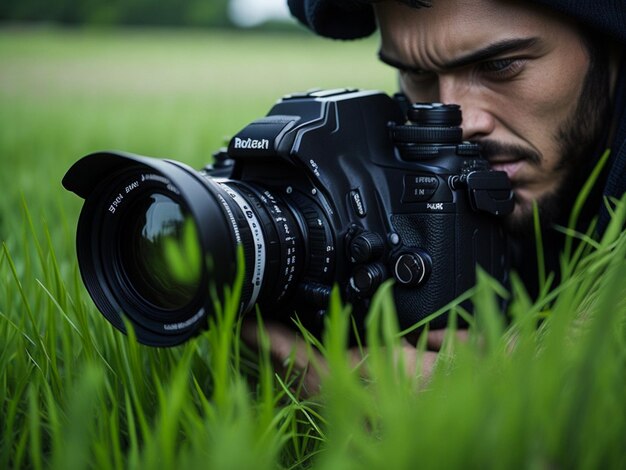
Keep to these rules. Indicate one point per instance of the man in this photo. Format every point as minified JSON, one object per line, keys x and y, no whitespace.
{"x":541,"y":86}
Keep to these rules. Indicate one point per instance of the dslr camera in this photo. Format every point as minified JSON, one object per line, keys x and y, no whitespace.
{"x":332,"y":187}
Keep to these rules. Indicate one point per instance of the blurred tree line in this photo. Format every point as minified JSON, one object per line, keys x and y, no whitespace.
{"x":123,"y":12}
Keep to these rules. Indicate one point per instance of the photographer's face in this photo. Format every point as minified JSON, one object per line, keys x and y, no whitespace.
{"x":519,"y":75}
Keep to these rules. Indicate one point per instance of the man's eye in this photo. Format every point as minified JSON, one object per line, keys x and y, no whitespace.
{"x":502,"y":68}
{"x":420,"y":86}
{"x":419,"y":80}
{"x":414,"y":76}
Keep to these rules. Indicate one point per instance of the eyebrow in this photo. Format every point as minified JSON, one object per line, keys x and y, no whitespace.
{"x":490,"y":51}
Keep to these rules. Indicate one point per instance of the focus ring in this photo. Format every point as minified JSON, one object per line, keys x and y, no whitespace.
{"x":243,"y":211}
{"x":321,"y":248}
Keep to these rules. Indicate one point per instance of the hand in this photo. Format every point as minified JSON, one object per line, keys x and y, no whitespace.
{"x":286,"y":344}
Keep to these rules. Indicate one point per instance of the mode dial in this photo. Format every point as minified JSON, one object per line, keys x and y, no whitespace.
{"x":435,"y":114}
{"x":430,"y":123}
{"x":431,"y":129}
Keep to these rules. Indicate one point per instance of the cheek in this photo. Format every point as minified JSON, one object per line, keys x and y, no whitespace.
{"x":534,"y":110}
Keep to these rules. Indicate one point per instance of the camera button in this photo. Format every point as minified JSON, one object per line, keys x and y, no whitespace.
{"x":357,"y":203}
{"x":366,"y":279}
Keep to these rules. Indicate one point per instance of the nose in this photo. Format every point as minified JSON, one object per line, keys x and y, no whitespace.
{"x":478,"y":121}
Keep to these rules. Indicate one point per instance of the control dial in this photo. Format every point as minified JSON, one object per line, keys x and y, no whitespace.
{"x":412,"y":268}
{"x":366,"y":278}
{"x":366,"y":246}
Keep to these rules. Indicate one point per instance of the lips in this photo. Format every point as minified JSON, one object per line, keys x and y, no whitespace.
{"x":513,"y":159}
{"x":510,"y":167}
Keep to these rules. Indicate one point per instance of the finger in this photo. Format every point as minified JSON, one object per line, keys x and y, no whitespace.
{"x":249,"y":332}
{"x":284,"y":343}
{"x":418,"y":362}
{"x":289,"y":353}
{"x":427,"y":360}
{"x":435,"y":338}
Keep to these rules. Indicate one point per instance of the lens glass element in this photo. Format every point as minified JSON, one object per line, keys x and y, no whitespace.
{"x":159,"y":251}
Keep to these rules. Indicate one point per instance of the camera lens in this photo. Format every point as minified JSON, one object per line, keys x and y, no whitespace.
{"x":159,"y":252}
{"x":160,"y":245}
{"x":155,"y":243}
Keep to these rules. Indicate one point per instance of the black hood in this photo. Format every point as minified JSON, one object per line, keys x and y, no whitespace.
{"x":353,"y":19}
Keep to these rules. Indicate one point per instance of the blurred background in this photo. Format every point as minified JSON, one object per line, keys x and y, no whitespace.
{"x":204,"y":13}
{"x":165,"y":78}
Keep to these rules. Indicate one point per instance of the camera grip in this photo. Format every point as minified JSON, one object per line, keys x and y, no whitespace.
{"x":457,"y":243}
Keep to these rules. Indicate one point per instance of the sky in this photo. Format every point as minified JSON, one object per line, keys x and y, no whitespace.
{"x":248,"y":13}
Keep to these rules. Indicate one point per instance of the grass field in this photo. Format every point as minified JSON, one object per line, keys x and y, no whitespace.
{"x":76,"y":394}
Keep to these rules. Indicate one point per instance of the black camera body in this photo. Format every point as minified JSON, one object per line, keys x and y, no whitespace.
{"x":332,"y":187}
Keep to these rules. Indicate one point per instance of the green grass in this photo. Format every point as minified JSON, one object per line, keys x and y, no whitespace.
{"x":546,"y":391}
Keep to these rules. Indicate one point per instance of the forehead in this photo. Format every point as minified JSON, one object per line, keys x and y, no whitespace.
{"x":453,"y":27}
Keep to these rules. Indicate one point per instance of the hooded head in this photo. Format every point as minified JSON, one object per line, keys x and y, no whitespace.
{"x":537,"y":87}
{"x":353,"y":19}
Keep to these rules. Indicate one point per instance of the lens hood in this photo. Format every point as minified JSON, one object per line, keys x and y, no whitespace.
{"x":110,"y":183}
